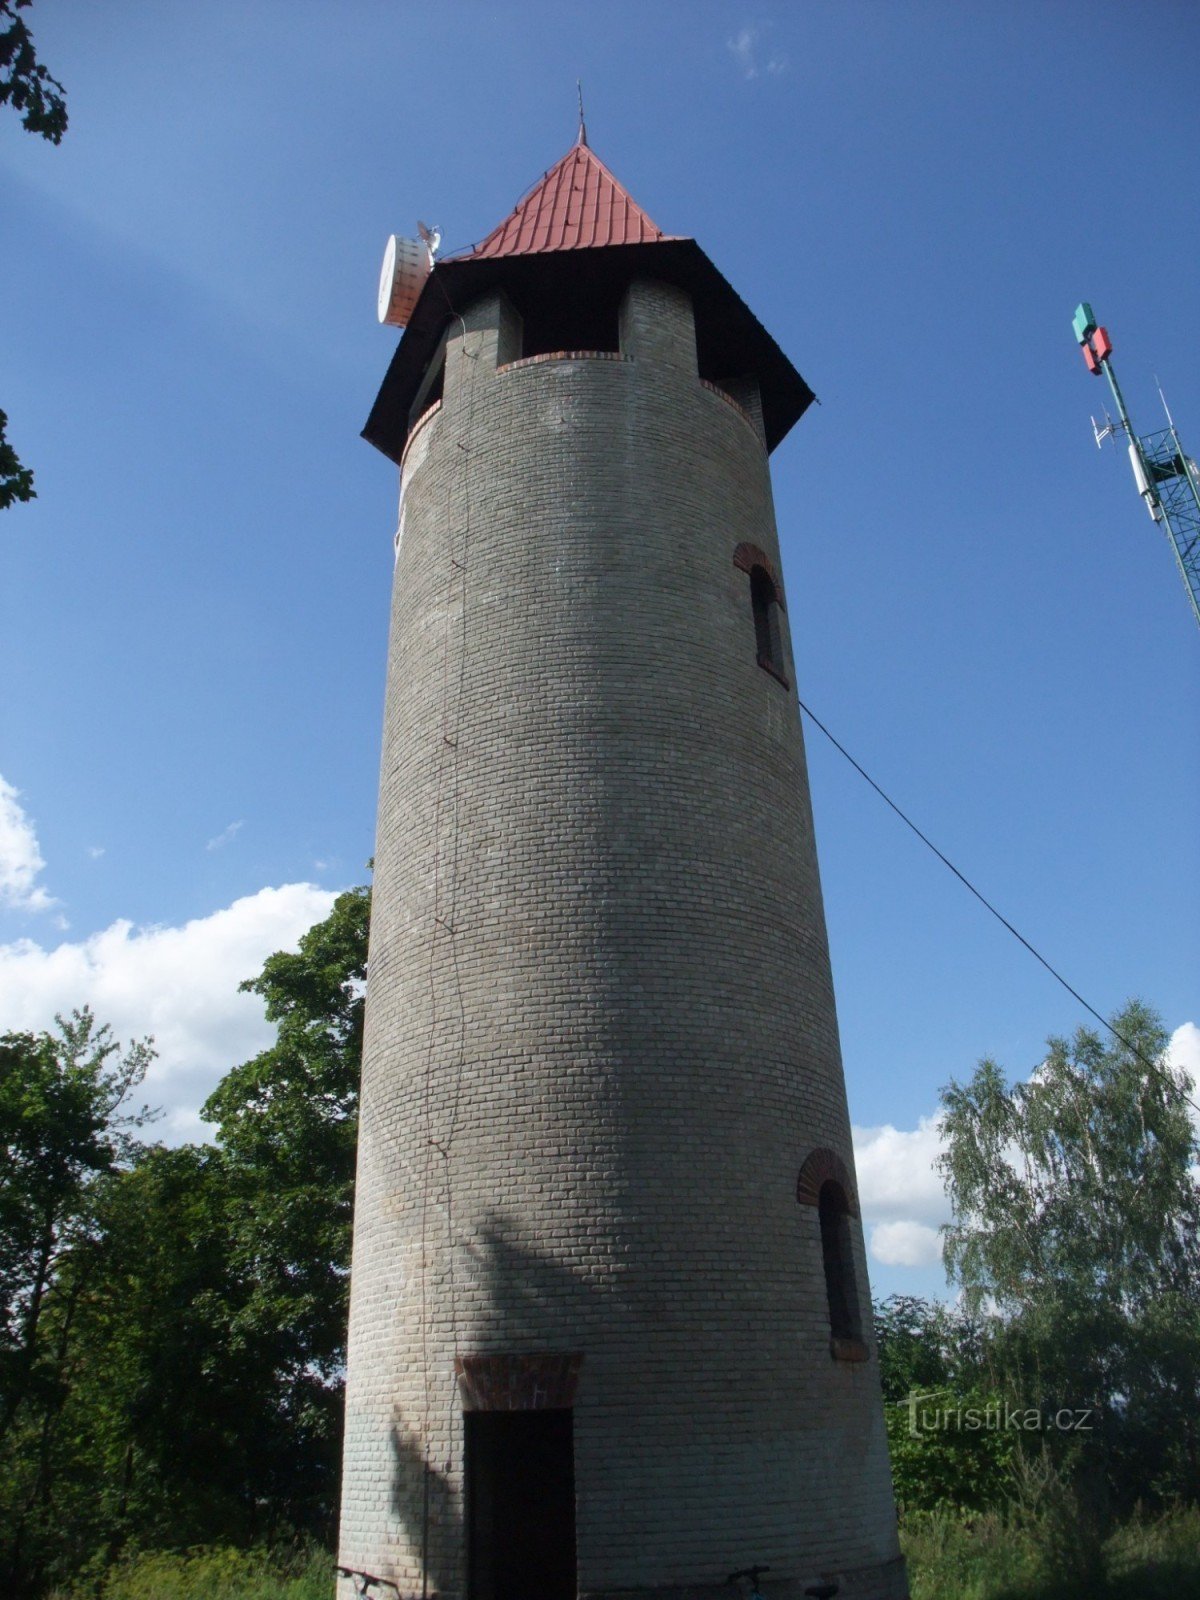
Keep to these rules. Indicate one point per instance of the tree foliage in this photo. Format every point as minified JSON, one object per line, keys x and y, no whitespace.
{"x":287,"y":1125}
{"x":1075,"y":1185}
{"x":25,"y":84}
{"x":948,"y":1451}
{"x":66,"y":1131}
{"x":16,"y":481}
{"x":1077,"y":1224}
{"x":191,"y":1305}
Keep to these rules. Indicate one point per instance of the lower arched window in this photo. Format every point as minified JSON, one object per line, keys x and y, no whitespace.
{"x":837,"y":1255}
{"x":826,"y":1184}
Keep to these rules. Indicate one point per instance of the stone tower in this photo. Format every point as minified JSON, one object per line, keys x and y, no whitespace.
{"x":609,"y":1305}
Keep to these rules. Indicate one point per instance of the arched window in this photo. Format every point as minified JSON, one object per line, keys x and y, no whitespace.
{"x":838,"y":1259}
{"x":766,"y":603}
{"x":826,"y":1183}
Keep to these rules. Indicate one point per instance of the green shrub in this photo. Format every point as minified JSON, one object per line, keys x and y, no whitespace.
{"x":948,"y":1452}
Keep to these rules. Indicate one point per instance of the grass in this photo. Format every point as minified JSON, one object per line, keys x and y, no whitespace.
{"x":1056,"y":1556}
{"x":213,"y":1573}
{"x":1053,"y":1556}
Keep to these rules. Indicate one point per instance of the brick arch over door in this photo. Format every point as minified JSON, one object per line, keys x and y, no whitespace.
{"x":822,"y":1166}
{"x":748,"y":556}
{"x":540,"y":1380}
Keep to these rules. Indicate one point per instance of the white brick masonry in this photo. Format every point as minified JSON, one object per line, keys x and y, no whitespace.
{"x":601,"y":1036}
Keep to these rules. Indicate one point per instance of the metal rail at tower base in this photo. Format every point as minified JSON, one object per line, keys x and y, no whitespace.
{"x":1167,"y":478}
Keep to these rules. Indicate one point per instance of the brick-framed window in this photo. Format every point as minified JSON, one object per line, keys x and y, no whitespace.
{"x":837,"y":1258}
{"x":766,"y":605}
{"x":826,"y":1184}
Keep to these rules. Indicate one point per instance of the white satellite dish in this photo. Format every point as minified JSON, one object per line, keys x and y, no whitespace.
{"x":406,"y":265}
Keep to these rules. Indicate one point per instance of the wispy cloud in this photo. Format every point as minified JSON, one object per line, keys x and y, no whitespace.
{"x":20,"y":858}
{"x":95,"y":851}
{"x":224,"y":837}
{"x":753,"y":55}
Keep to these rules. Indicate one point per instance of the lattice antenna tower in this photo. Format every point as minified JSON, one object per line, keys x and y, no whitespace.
{"x":1166,"y":476}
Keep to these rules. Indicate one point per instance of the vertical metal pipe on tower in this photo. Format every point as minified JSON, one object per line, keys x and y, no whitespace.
{"x":610,"y":1320}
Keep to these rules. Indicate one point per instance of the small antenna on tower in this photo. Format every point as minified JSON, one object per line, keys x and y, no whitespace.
{"x":432,"y":238}
{"x":582,"y":124}
{"x":1163,"y":398}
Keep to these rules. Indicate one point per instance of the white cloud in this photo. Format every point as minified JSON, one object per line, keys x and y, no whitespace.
{"x":179,"y":984}
{"x":900,"y":1192}
{"x":1183,"y":1051}
{"x":95,"y":851}
{"x":897,"y":1179}
{"x":20,"y":859}
{"x":905,"y":1244}
{"x":744,"y":48}
{"x":226,"y":834}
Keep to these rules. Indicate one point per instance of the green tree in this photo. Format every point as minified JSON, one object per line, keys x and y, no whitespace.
{"x":187,"y":1387}
{"x":287,"y":1124}
{"x":27,"y":86}
{"x":63,"y":1124}
{"x":190,"y":1413}
{"x":1077,"y":1221}
{"x":947,"y":1448}
{"x":211,"y":1346}
{"x":65,"y":1129}
{"x":917,"y":1341}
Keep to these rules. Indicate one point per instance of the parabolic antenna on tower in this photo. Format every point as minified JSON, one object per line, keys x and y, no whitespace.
{"x":406,"y":265}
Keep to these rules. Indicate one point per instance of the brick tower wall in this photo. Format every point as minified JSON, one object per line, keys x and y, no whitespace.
{"x":601,"y":1040}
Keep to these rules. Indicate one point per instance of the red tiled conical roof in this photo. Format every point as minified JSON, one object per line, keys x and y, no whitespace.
{"x":576,"y":205}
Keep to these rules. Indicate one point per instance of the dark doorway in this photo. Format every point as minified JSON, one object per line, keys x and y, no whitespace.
{"x":520,"y":1482}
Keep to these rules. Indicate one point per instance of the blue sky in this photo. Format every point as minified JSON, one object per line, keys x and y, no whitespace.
{"x":912,"y":197}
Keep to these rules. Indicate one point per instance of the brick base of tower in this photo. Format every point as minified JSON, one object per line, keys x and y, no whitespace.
{"x":601,"y":1040}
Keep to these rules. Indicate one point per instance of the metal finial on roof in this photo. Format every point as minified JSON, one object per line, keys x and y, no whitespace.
{"x":582,"y":124}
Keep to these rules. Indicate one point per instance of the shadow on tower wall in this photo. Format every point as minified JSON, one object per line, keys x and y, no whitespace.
{"x":511,"y":1300}
{"x":424,"y":1502}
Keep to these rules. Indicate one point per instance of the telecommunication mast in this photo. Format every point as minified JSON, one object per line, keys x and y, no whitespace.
{"x":1167,"y":478}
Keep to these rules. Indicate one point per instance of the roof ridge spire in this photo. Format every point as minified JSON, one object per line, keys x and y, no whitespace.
{"x":582,"y":139}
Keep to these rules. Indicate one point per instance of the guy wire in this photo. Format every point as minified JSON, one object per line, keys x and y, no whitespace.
{"x":1151,"y":1066}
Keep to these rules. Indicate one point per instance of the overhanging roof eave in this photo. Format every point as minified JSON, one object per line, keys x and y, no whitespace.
{"x":726,"y":327}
